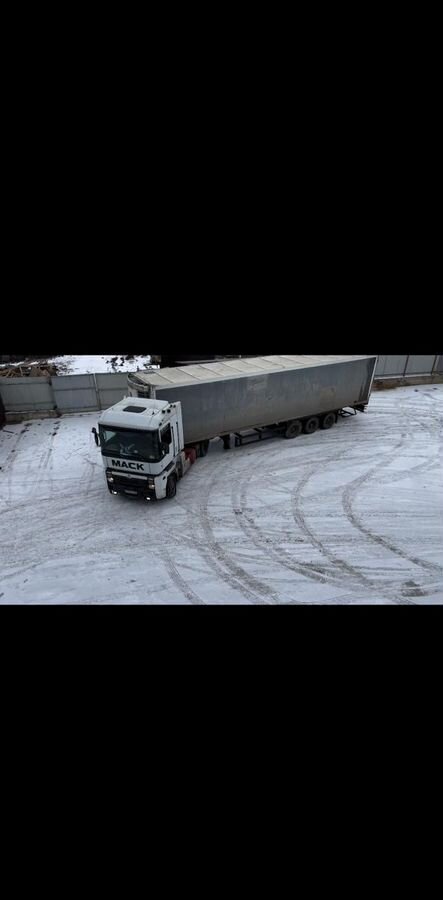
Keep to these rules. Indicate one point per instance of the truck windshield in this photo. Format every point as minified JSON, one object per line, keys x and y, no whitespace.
{"x":120,"y":442}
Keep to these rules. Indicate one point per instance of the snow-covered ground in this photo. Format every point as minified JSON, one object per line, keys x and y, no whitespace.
{"x":83,"y":365}
{"x":350,"y":515}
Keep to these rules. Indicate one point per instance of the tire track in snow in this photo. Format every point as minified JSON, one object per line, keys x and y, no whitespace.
{"x":263,"y":543}
{"x":221,"y":561}
{"x":13,"y":449}
{"x":354,"y":578}
{"x":355,"y":520}
{"x":178,"y":580}
{"x":42,"y":466}
{"x":348,"y":499}
{"x":8,"y":465}
{"x":315,"y":572}
{"x":358,"y":578}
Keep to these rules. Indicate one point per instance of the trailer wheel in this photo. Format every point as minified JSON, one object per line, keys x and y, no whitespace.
{"x":171,"y":487}
{"x":329,"y":420}
{"x":311,"y":425}
{"x":293,"y":429}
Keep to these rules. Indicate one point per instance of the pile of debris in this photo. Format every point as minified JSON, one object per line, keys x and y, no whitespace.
{"x":113,"y":361}
{"x":35,"y":370}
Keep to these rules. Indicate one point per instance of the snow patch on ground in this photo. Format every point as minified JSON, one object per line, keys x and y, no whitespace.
{"x":83,"y":365}
{"x":78,"y":365}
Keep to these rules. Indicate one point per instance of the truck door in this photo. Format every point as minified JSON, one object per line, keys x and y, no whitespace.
{"x":166,"y":437}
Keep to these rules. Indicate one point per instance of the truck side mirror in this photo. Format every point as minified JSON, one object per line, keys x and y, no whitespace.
{"x":96,"y":437}
{"x":164,"y":447}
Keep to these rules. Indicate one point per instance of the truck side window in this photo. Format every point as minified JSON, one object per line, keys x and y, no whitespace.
{"x":166,"y":435}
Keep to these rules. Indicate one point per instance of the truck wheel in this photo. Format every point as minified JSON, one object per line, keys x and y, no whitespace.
{"x":293,"y":429}
{"x":329,"y":420}
{"x":311,"y":425}
{"x":171,"y":487}
{"x":203,"y":448}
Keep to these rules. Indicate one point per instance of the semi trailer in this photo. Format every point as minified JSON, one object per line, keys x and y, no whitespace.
{"x":150,"y":438}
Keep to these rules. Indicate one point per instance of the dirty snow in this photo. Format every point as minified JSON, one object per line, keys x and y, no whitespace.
{"x":347,"y":516}
{"x":84,"y":365}
{"x":78,"y":365}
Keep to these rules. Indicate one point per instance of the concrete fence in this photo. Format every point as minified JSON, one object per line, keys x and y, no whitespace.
{"x":62,"y":393}
{"x":87,"y":393}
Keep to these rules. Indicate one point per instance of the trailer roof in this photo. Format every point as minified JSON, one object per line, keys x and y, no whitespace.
{"x":235,"y":368}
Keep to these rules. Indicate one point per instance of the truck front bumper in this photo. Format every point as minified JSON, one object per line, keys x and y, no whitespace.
{"x":132,"y":487}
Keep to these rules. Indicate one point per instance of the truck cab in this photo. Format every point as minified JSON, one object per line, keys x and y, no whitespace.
{"x":141,"y":442}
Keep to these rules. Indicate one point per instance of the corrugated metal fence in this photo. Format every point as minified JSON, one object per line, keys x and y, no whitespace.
{"x":74,"y":393}
{"x":27,"y":394}
{"x":83,"y":393}
{"x":65,"y":393}
{"x":403,"y":366}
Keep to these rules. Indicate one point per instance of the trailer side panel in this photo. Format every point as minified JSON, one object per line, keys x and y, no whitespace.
{"x":227,"y":405}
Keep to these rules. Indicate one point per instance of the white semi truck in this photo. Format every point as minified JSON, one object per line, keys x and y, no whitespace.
{"x":148,"y":439}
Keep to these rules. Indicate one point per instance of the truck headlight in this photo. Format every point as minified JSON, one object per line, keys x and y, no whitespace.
{"x":110,"y":478}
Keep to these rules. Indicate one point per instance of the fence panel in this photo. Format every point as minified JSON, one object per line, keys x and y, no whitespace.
{"x":420,"y":365}
{"x":75,"y":393}
{"x":27,"y":394}
{"x":391,"y":365}
{"x":111,"y":388}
